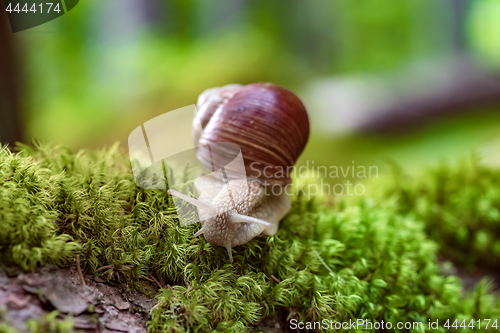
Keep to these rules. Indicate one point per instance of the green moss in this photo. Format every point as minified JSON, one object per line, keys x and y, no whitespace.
{"x":29,"y":231}
{"x":47,"y":323}
{"x":50,"y":323}
{"x":5,"y":326}
{"x":359,"y":259}
{"x":460,"y":206}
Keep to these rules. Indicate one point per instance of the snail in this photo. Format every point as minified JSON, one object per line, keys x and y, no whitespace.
{"x":270,"y":126}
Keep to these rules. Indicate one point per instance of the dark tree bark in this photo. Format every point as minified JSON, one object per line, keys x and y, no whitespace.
{"x":10,"y":124}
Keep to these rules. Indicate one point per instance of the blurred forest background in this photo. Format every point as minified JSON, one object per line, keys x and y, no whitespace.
{"x":412,"y":81}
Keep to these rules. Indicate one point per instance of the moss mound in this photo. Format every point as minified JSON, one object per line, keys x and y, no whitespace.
{"x":357,"y":260}
{"x":460,"y":206}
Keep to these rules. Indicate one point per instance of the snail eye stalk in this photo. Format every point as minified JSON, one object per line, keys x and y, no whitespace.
{"x":237,"y":218}
{"x":206,"y":207}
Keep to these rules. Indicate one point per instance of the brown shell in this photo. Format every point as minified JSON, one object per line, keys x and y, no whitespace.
{"x":267,"y":122}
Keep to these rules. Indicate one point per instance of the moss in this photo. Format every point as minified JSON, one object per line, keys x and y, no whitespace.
{"x":50,"y":323}
{"x":47,"y":323}
{"x":460,"y":206}
{"x":5,"y":325}
{"x":29,"y":232}
{"x":359,"y":259}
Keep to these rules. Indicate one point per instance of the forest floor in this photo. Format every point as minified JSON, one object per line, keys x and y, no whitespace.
{"x":97,"y":307}
{"x":100,"y":306}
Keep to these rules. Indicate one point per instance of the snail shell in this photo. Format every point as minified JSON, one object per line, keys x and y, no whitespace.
{"x":271,"y":127}
{"x":268,"y":123}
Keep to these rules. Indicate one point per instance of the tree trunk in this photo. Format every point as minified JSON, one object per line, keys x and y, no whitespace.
{"x":467,"y":94}
{"x":10,"y":125}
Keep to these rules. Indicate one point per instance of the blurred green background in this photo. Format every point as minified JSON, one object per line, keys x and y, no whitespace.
{"x":88,"y":78}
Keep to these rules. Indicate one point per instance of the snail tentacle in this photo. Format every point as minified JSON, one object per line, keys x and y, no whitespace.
{"x":199,"y":204}
{"x":238,"y":218}
{"x":199,"y":232}
{"x":229,"y":252}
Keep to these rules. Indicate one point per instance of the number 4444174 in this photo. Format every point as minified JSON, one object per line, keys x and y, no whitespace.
{"x":41,"y":8}
{"x":472,"y":324}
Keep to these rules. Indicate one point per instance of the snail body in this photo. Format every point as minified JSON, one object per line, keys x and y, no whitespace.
{"x":270,"y":126}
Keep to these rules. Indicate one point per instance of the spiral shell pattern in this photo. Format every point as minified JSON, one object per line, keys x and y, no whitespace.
{"x":268,"y":123}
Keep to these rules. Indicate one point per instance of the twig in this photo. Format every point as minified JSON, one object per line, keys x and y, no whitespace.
{"x":152,"y":280}
{"x":275,"y":279}
{"x":187,"y":285}
{"x":104,"y":267}
{"x":79,"y":269}
{"x":155,"y":306}
{"x":162,"y":282}
{"x":156,"y":281}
